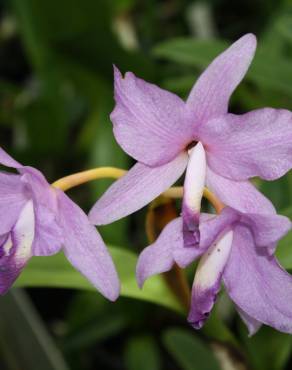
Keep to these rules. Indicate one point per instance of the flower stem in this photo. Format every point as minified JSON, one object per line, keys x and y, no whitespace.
{"x":160,"y":213}
{"x":177,"y":192}
{"x":68,"y":182}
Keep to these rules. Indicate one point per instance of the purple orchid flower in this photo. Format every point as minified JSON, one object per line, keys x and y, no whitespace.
{"x":236,"y":248}
{"x":167,"y":135}
{"x":38,"y":220}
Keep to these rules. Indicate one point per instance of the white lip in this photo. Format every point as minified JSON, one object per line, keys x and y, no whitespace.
{"x":195,"y":178}
{"x":24,"y":231}
{"x":212,"y":263}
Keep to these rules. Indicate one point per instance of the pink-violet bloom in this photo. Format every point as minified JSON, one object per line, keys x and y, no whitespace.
{"x":222,"y":151}
{"x":236,"y":248}
{"x":167,"y":135}
{"x":39,"y":220}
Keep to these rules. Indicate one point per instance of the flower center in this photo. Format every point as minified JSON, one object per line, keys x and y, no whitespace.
{"x":191,"y":145}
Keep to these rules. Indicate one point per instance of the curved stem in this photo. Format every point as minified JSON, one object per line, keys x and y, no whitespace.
{"x":177,"y":192}
{"x":159,"y":214}
{"x":68,"y":182}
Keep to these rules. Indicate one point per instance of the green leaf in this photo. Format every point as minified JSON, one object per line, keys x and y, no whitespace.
{"x":284,"y":249}
{"x":51,"y":44}
{"x":106,"y":152}
{"x":271,"y":72}
{"x":277,"y":191}
{"x":104,"y":327}
{"x":142,"y":353}
{"x":215,"y":328}
{"x":55,"y":271}
{"x":24,"y":340}
{"x":50,"y":96}
{"x":189,"y":351}
{"x":268,"y":349}
{"x":267,"y":70}
{"x":189,"y":51}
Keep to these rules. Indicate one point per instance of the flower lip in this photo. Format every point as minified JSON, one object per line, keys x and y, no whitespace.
{"x":193,"y":192}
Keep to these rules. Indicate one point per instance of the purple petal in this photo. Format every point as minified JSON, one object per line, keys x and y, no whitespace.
{"x":8,"y":161}
{"x":33,"y":179}
{"x":12,"y":200}
{"x":17,"y":248}
{"x":258,"y":143}
{"x":41,"y":191}
{"x":85,"y":249}
{"x":193,"y":192}
{"x":257,"y":283}
{"x":149,"y":122}
{"x":169,"y":247}
{"x":214,"y":226}
{"x":252,"y":324}
{"x":240,"y":195}
{"x":27,"y":172}
{"x":210,"y":95}
{"x":167,"y":250}
{"x":48,"y":234}
{"x":208,"y":280}
{"x":136,"y":189}
{"x":14,"y":192}
{"x":158,"y":257}
{"x":267,"y":229}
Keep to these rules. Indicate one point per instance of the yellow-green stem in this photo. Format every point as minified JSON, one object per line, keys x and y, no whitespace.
{"x":68,"y":182}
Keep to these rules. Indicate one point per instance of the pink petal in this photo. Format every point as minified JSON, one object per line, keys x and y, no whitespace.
{"x":267,"y":229}
{"x":252,"y":324}
{"x":48,"y":234}
{"x":169,"y":247}
{"x":240,"y":195}
{"x":12,"y":200}
{"x":257,"y":284}
{"x":214,"y":226}
{"x":85,"y":249}
{"x":210,"y":95}
{"x":136,"y":189}
{"x":32,"y":178}
{"x":258,"y":143}
{"x":8,"y":161}
{"x":149,"y":122}
{"x":167,"y":250}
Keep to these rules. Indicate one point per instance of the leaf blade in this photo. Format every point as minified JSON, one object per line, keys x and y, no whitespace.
{"x":55,"y":271}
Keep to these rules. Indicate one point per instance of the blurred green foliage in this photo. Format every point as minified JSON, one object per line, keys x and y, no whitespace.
{"x":56,"y":97}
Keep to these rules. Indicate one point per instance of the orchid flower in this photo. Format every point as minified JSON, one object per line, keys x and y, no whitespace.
{"x":38,"y":220}
{"x":236,"y":248}
{"x":222,"y":150}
